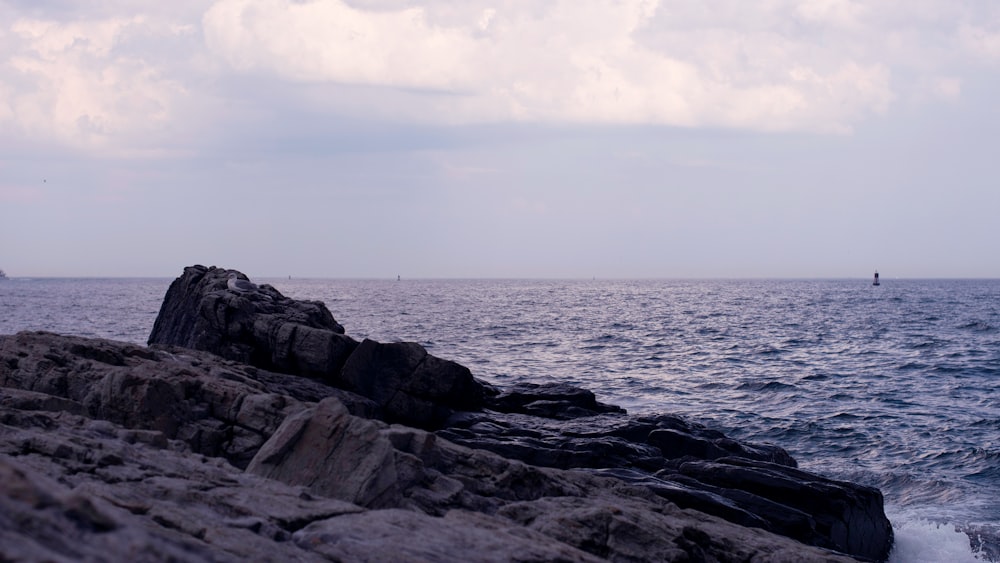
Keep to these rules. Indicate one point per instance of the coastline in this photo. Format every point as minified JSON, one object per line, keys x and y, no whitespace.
{"x":641,"y":483}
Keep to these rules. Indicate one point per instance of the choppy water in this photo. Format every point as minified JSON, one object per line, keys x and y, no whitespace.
{"x":892,"y":386}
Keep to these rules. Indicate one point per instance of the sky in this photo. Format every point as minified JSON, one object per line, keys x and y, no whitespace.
{"x":501,"y":139}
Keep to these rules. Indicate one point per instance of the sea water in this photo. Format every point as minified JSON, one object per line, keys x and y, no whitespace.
{"x":892,"y":386}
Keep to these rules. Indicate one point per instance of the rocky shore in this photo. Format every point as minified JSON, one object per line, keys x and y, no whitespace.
{"x":254,"y":428}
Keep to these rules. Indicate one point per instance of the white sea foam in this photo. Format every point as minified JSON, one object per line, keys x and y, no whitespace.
{"x":921,"y":541}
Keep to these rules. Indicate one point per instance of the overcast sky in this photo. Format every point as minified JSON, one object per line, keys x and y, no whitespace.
{"x":476,"y":138}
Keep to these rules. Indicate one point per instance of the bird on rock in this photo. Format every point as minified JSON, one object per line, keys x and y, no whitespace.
{"x":239,"y":285}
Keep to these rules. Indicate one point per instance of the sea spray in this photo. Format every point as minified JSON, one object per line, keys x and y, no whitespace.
{"x":921,"y":541}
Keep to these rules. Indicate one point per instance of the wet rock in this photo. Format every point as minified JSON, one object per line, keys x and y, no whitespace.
{"x":550,"y":400}
{"x":845,"y":516}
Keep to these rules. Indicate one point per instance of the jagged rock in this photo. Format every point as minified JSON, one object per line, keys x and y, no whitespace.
{"x":623,"y":529}
{"x":333,"y":454}
{"x":846,"y":516}
{"x":217,"y":407}
{"x":263,"y":328}
{"x":398,"y":467}
{"x":660,"y":453}
{"x":410,"y":385}
{"x":550,"y":400}
{"x":260,"y":327}
{"x":82,"y":481}
{"x":403,"y":535}
{"x":76,"y":489}
{"x":376,"y":465}
{"x":544,"y":469}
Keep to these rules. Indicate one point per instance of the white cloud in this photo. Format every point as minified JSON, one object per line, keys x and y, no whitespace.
{"x":981,"y":41}
{"x":947,"y":87}
{"x":844,"y":13}
{"x":73,"y":83}
{"x":563,"y":61}
{"x":127,"y":79}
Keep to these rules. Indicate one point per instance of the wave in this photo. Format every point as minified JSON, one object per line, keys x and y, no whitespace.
{"x":770,"y":386}
{"x":978,"y":326}
{"x":922,"y":541}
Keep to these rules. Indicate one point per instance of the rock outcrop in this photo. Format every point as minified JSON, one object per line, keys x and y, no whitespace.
{"x":256,"y":426}
{"x":110,"y":451}
{"x":261,"y":327}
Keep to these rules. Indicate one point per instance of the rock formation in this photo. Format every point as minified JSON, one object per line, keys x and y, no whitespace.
{"x":265,"y":329}
{"x":225,"y":441}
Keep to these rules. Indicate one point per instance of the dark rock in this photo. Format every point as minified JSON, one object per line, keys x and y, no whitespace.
{"x":848,"y":517}
{"x":260,"y":327}
{"x":410,"y":385}
{"x":398,"y":467}
{"x":620,"y":530}
{"x":634,"y":448}
{"x":111,"y":451}
{"x":678,"y":444}
{"x":217,"y":407}
{"x":550,"y":400}
{"x":540,"y":462}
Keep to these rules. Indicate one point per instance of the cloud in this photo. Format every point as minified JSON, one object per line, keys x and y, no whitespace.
{"x":79,"y":84}
{"x":114,"y":78}
{"x":578,"y":62}
{"x":981,"y":41}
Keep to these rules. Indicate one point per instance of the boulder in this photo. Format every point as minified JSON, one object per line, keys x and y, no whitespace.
{"x":843,"y":516}
{"x":257,"y":326}
{"x":550,"y":400}
{"x":410,"y":385}
{"x":206,"y":309}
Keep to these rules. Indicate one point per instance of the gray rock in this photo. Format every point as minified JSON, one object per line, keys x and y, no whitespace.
{"x":143,"y":449}
{"x":260,"y":327}
{"x":403,"y":535}
{"x":113,"y":451}
{"x":847,"y":517}
{"x":550,"y":400}
{"x":217,"y":407}
{"x":74,"y":489}
{"x":410,"y":385}
{"x":398,"y":467}
{"x":263,"y":328}
{"x":633,"y":530}
{"x":661,"y":453}
{"x":333,"y":454}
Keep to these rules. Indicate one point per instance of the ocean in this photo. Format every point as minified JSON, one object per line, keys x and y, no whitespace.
{"x":892,"y":386}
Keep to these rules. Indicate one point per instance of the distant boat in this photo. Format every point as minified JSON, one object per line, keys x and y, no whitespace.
{"x":3,"y":275}
{"x":876,"y":279}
